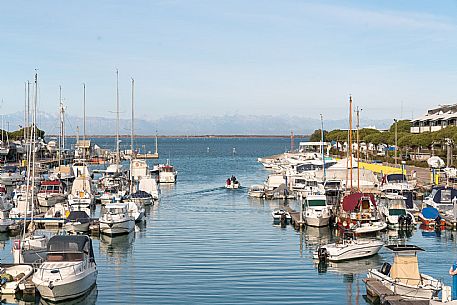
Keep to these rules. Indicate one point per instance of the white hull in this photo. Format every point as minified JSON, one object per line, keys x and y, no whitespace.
{"x":50,"y":200}
{"x":167,"y":177}
{"x":77,"y":227}
{"x":232,"y":186}
{"x":424,"y":292}
{"x":68,"y":288}
{"x":317,"y":221}
{"x":256,"y":194}
{"x":117,"y":228}
{"x":371,"y":228}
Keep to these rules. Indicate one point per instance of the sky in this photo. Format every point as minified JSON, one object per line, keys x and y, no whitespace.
{"x":287,"y":57}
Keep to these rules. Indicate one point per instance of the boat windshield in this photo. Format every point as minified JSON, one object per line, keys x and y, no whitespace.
{"x":397,"y":212}
{"x":317,"y":203}
{"x":65,"y":257}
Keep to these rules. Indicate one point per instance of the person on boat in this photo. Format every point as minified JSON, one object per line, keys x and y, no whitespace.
{"x":228,"y":182}
{"x":233,"y":179}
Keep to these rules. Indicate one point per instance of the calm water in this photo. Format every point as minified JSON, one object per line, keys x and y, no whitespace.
{"x":204,"y":244}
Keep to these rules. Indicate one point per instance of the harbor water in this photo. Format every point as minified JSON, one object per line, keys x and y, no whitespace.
{"x":204,"y":244}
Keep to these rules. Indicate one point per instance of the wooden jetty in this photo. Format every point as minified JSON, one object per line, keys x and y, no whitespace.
{"x":295,"y":218}
{"x":379,"y":294}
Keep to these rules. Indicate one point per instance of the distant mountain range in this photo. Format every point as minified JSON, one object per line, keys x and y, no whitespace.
{"x":189,"y":124}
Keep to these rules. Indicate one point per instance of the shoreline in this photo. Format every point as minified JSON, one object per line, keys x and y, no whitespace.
{"x":185,"y":136}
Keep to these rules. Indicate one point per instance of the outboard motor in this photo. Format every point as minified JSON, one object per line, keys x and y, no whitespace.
{"x":438,"y":222}
{"x":401,"y":220}
{"x":385,"y":269}
{"x":322,"y":254}
{"x":409,"y":220}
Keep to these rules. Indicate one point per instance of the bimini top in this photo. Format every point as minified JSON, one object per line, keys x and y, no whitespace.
{"x":351,"y":201}
{"x":404,"y":248}
{"x":69,"y":243}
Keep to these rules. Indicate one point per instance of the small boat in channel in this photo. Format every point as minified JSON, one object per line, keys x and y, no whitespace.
{"x":232,"y":183}
{"x":256,"y":191}
{"x":167,"y":173}
{"x":69,"y":270}
{"x":280,"y":215}
{"x":403,"y":276}
{"x":348,"y":248}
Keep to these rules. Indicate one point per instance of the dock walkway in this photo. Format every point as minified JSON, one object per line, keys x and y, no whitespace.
{"x":380,"y":294}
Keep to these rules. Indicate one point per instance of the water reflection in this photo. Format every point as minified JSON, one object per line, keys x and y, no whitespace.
{"x":117,"y":247}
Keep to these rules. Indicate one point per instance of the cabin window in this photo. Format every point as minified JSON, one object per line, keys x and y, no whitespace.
{"x":365,"y":204}
{"x":446,"y":195}
{"x":316,"y":203}
{"x":397,"y":212}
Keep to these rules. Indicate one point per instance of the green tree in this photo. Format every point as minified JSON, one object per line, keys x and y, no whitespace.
{"x":316,"y":136}
{"x":402,"y":126}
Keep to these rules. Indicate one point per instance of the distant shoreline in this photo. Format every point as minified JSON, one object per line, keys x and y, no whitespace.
{"x":186,"y":136}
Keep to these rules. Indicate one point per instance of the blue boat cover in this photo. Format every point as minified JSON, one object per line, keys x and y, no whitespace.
{"x":430,"y":213}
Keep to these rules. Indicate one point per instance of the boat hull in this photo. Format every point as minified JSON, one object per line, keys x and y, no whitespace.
{"x":317,"y":221}
{"x":351,"y":252}
{"x":77,"y":227}
{"x":65,"y":290}
{"x":406,"y":291}
{"x":117,"y":228}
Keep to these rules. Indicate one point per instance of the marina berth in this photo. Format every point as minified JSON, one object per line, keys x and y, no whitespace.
{"x":317,"y":213}
{"x":395,"y":213}
{"x":50,"y":193}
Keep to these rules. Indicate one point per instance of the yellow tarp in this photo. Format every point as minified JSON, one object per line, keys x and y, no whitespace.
{"x":406,"y":270}
{"x":379,"y":168}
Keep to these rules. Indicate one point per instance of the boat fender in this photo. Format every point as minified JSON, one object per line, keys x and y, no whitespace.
{"x":409,"y":220}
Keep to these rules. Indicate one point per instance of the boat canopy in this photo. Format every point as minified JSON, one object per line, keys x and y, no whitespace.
{"x":443,"y":194}
{"x":396,"y":178}
{"x":353,"y":201}
{"x":59,"y":246}
{"x":430,"y":213}
{"x":78,"y":215}
{"x":406,"y":270}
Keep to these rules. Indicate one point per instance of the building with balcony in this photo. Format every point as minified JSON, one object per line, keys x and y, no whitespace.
{"x":435,"y":119}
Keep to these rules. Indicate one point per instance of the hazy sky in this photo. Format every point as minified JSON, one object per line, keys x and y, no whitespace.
{"x":232,"y":57}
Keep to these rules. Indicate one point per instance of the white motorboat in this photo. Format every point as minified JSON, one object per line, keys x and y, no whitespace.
{"x":116,"y":220}
{"x":167,"y":173}
{"x":149,"y":185}
{"x":316,"y":213}
{"x":404,"y":278}
{"x":393,"y":208}
{"x":280,"y":215}
{"x":13,"y":276}
{"x":349,"y":248}
{"x":69,"y":270}
{"x":77,"y":222}
{"x":142,"y":198}
{"x":50,"y":193}
{"x":141,"y":175}
{"x":256,"y":191}
{"x":232,"y":183}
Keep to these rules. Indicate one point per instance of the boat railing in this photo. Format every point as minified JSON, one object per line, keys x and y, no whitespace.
{"x":75,"y":269}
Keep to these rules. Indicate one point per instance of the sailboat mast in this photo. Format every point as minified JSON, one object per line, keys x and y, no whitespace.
{"x":60,"y":124}
{"x":358,"y":148}
{"x":133,"y":115}
{"x":322,"y":146}
{"x":25,"y":109}
{"x":35,"y":103}
{"x":2,"y":125}
{"x":350,"y":139}
{"x":117,"y":120}
{"x":131,"y":137}
{"x":84,"y":121}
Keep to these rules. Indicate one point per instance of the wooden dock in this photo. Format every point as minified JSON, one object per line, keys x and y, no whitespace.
{"x":379,"y":294}
{"x":295,"y":218}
